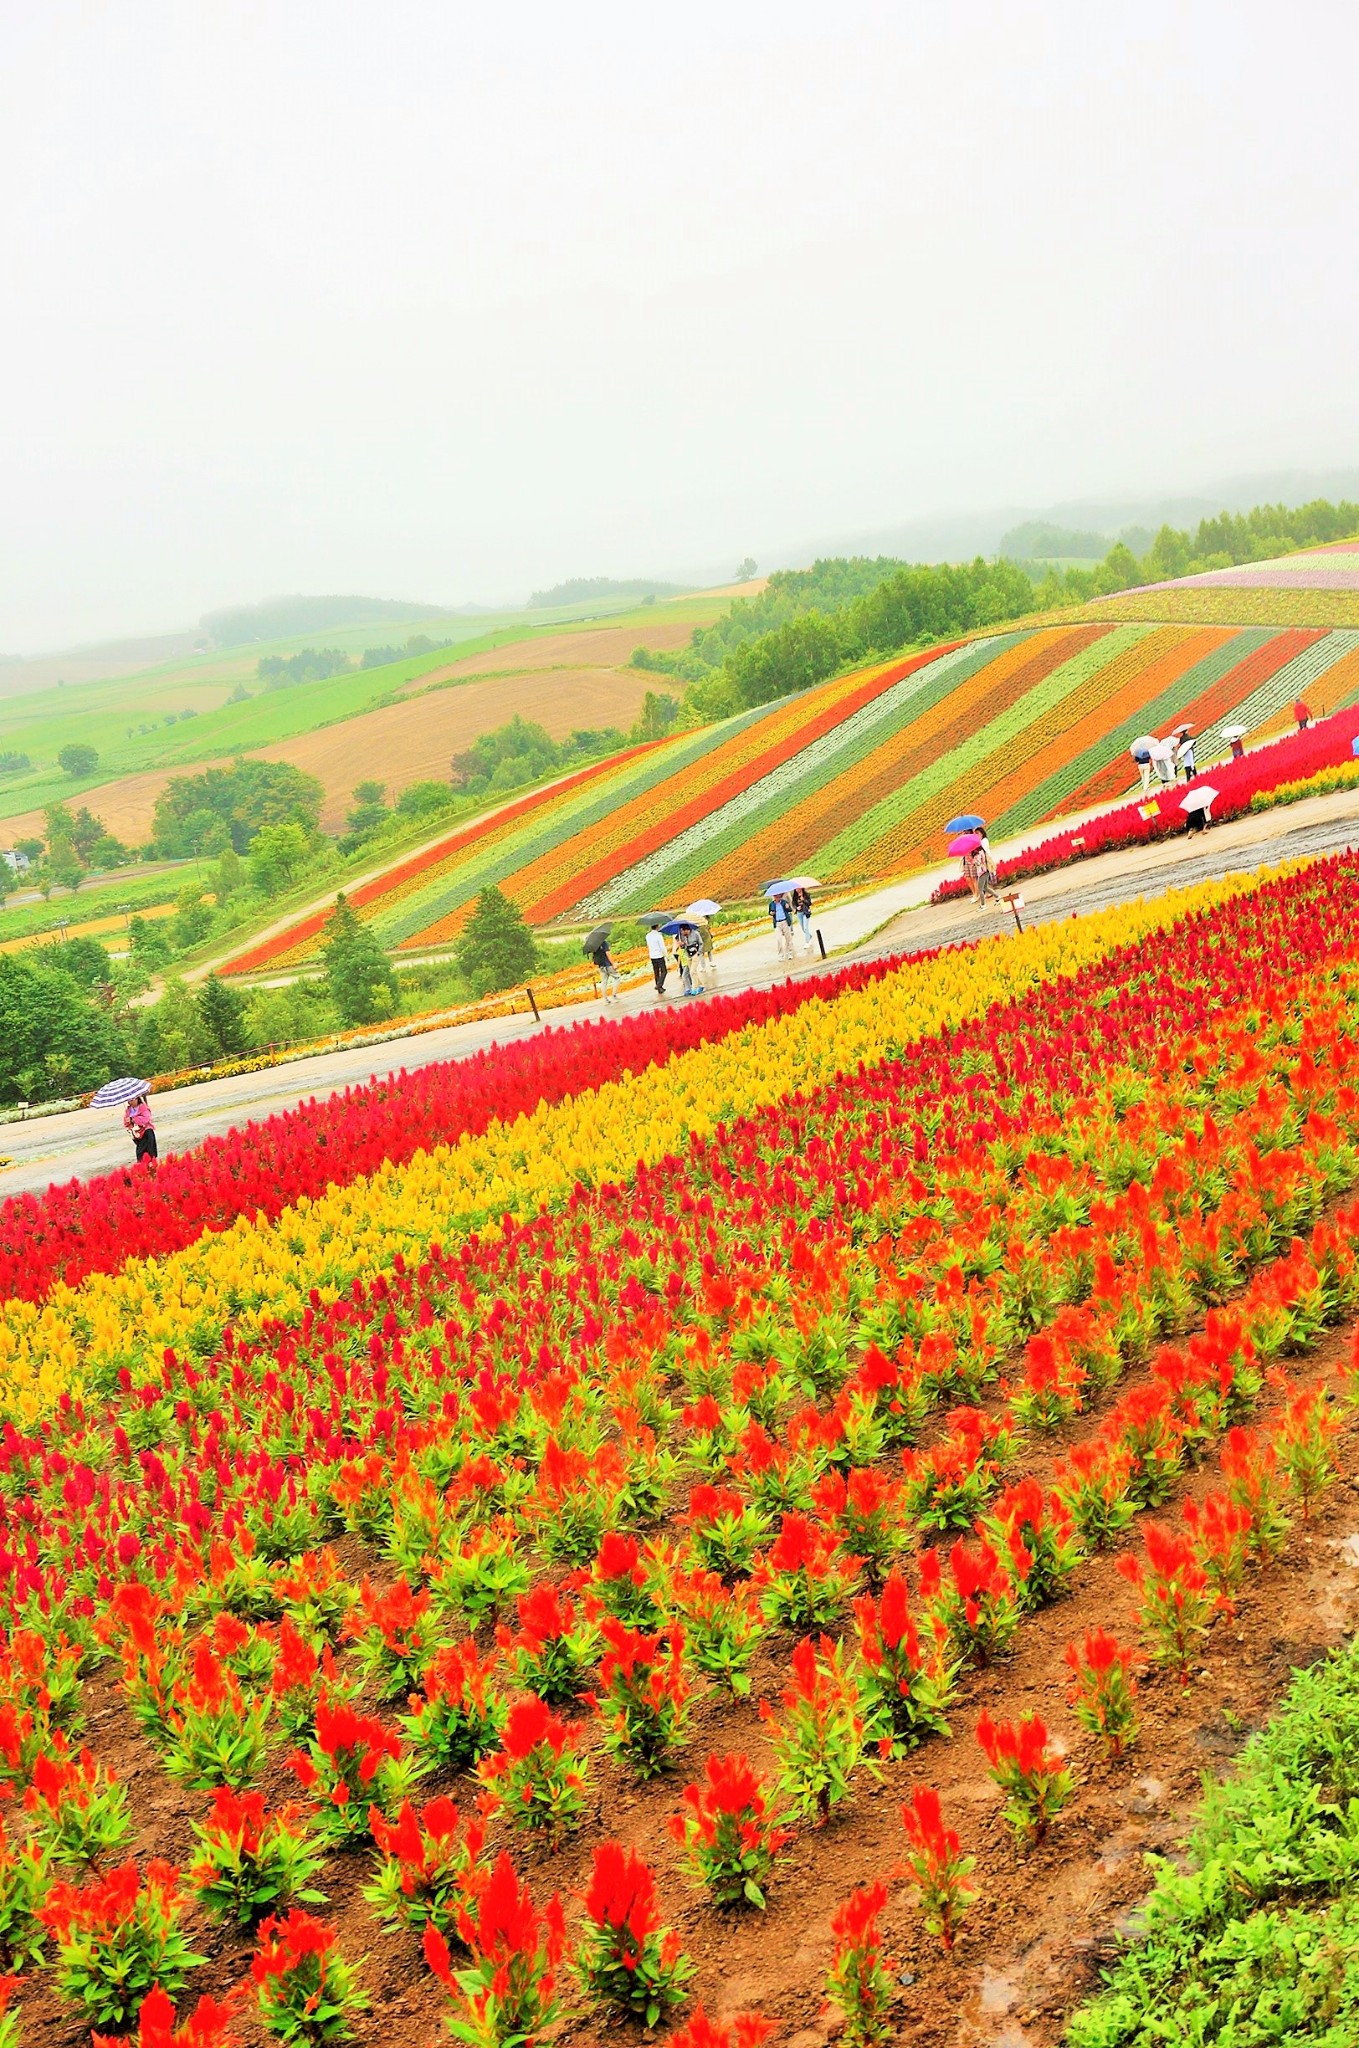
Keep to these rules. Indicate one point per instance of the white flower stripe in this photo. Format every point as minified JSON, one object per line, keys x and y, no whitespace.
{"x":695,"y":837}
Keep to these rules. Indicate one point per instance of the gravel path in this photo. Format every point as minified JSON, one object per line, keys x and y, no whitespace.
{"x":81,"y":1143}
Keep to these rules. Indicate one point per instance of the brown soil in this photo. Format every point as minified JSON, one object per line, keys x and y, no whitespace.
{"x":1031,"y":1948}
{"x":407,"y":742}
{"x":603,"y":647}
{"x":414,"y":740}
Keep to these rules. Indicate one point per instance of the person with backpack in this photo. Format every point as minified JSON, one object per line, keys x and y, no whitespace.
{"x":691,"y":944}
{"x":602,"y":961}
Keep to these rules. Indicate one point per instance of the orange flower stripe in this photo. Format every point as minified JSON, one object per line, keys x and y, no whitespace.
{"x":1209,"y":706}
{"x":794,"y":839}
{"x":1069,"y":725}
{"x":563,"y":878}
{"x":296,"y":941}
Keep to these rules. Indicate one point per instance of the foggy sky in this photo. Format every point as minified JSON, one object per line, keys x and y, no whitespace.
{"x":437,"y":301}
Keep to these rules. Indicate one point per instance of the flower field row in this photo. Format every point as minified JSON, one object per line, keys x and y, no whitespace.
{"x":826,"y":795}
{"x":1239,"y":784}
{"x":598,"y":1123}
{"x":418,"y":870}
{"x":852,"y":779}
{"x":531,"y":1609}
{"x":1186,"y":604}
{"x":1203,"y":697}
{"x":634,"y":831}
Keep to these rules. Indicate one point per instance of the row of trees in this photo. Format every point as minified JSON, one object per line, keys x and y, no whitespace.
{"x":68,"y":1018}
{"x":808,"y":623}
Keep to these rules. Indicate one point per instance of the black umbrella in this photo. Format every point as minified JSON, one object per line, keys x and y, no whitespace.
{"x":652,"y":918}
{"x":592,"y":941}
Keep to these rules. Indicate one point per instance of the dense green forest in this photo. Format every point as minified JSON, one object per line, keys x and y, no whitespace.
{"x":809,"y":623}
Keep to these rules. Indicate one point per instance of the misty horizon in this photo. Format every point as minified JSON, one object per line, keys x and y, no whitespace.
{"x":449,"y":309}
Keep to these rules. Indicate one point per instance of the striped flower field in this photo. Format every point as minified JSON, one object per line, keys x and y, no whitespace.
{"x":855,"y":779}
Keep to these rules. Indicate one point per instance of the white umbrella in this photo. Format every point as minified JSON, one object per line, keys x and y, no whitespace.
{"x":1198,"y":798}
{"x":1234,"y":732}
{"x":1143,"y":746}
{"x":705,"y":907}
{"x":114,"y":1092}
{"x":777,"y":888}
{"x":803,"y":882}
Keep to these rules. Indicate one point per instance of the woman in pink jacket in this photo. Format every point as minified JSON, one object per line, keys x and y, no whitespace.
{"x":137,"y":1119}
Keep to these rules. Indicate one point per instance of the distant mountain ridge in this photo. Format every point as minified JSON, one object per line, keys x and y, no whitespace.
{"x":282,"y":618}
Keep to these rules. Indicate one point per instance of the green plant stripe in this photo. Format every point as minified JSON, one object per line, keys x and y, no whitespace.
{"x":1302,"y":673}
{"x":1057,"y":787}
{"x":934,"y":683}
{"x":589,"y":807}
{"x":994,"y":737}
{"x":1254,"y":1945}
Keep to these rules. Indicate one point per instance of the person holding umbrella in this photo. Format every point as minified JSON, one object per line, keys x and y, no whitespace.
{"x":141,"y":1126}
{"x":138,"y":1121}
{"x":655,"y":950}
{"x":596,"y":950}
{"x":783,"y":925}
{"x":802,"y":910}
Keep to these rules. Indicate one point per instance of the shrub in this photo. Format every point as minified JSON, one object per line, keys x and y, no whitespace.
{"x":1035,"y":1781}
{"x":249,"y":1862}
{"x":862,"y":1977}
{"x":509,"y":1991}
{"x":351,"y":1764}
{"x":935,"y":1862}
{"x":642,"y":1680}
{"x":117,"y":1938}
{"x":909,"y":1683}
{"x":538,"y":1775}
{"x":628,"y":1960}
{"x":307,"y":1991}
{"x":728,"y":1833}
{"x":1102,"y":1688}
{"x":430,"y":1871}
{"x":819,"y":1741}
{"x":1177,"y":1606}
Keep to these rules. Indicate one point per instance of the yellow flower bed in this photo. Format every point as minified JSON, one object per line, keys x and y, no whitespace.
{"x":258,"y":1270}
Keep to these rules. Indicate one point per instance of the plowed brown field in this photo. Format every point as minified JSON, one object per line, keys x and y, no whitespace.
{"x":402,"y":743}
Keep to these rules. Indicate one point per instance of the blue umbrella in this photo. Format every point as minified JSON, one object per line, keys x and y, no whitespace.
{"x":777,"y":888}
{"x":679,"y":924}
{"x":966,"y":821}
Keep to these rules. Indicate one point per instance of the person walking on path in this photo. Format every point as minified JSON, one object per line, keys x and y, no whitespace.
{"x":691,"y":939}
{"x":984,"y":873}
{"x":608,"y":974}
{"x":705,"y":932}
{"x":655,"y":947}
{"x":139,"y":1122}
{"x":802,"y":906}
{"x":1163,"y":760}
{"x":783,"y":927}
{"x":1184,"y":757}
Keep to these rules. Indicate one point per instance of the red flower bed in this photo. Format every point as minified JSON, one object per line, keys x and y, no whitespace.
{"x":96,"y":1226}
{"x":1299,"y":754}
{"x":1143,"y":1176}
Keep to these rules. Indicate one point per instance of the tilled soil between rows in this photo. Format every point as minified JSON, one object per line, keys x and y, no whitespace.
{"x":1045,"y":1921}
